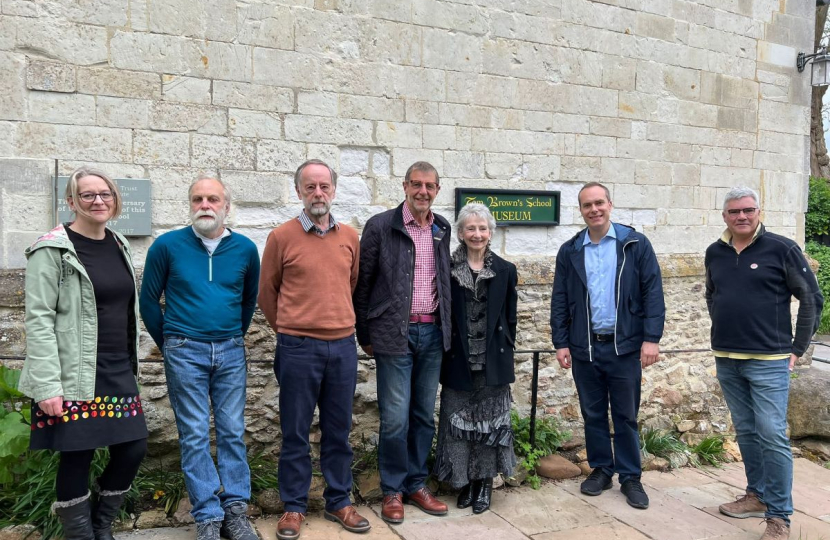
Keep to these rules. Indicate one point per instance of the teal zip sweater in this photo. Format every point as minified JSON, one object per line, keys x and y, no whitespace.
{"x":207,"y":297}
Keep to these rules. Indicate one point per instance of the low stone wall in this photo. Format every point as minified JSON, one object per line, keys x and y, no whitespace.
{"x":680,"y":391}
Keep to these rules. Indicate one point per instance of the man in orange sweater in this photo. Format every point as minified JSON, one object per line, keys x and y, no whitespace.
{"x":309,"y":272}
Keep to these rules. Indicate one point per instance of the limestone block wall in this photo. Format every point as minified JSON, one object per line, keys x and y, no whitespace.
{"x":669,"y":102}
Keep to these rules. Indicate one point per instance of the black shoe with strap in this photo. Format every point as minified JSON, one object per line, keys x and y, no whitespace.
{"x":597,"y":482}
{"x":634,"y":493}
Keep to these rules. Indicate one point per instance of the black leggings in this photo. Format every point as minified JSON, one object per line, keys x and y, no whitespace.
{"x":72,"y":481}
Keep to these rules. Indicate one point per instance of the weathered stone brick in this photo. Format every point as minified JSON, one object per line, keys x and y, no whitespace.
{"x":655,"y":26}
{"x":265,"y":25}
{"x":780,"y":162}
{"x":699,"y":114}
{"x":8,"y":132}
{"x":210,"y":19}
{"x":441,"y":137}
{"x":579,"y":168}
{"x":519,"y":26}
{"x":371,"y":108}
{"x":466,"y":51}
{"x":774,"y":116}
{"x":353,"y":190}
{"x":50,"y":76}
{"x":286,"y":69}
{"x":621,"y":170}
{"x":556,"y":122}
{"x":185,"y":89}
{"x":260,"y":125}
{"x":354,"y":161}
{"x":402,"y":158}
{"x":686,"y":174}
{"x":328,"y":130}
{"x":465,"y":115}
{"x":728,"y":177}
{"x":258,"y":187}
{"x":463,"y":164}
{"x":252,"y":96}
{"x":594,"y":145}
{"x":317,"y":103}
{"x":57,"y":108}
{"x":12,"y":87}
{"x":393,"y":134}
{"x":531,"y":142}
{"x":223,"y":152}
{"x":389,"y":42}
{"x":464,"y":18}
{"x":648,"y":150}
{"x":119,"y":83}
{"x":610,"y":127}
{"x":541,"y":95}
{"x":641,"y":196}
{"x":542,"y":168}
{"x":154,"y":148}
{"x":91,"y":143}
{"x":8,"y":33}
{"x":166,"y":116}
{"x":424,"y":112}
{"x":122,"y":113}
{"x":392,"y":10}
{"x":77,"y":44}
{"x":281,"y":156}
{"x":480,"y":89}
{"x":618,"y":73}
{"x":653,"y":173}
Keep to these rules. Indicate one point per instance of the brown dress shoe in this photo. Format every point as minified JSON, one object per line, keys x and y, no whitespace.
{"x":288,"y":527}
{"x":349,"y":519}
{"x":427,"y":502}
{"x":392,"y":509}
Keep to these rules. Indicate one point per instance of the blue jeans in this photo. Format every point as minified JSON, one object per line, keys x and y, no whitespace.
{"x":200,"y":374}
{"x":616,"y":380}
{"x":757,"y":392}
{"x":407,"y":387}
{"x":313,"y":372}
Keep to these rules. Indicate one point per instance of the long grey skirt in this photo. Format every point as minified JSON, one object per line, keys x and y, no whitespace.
{"x":475,"y":439}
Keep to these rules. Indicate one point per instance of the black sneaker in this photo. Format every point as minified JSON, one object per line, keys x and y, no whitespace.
{"x":596,"y":483}
{"x":634,"y":493}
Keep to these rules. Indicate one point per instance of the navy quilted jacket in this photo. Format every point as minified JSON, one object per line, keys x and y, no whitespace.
{"x":383,"y":295}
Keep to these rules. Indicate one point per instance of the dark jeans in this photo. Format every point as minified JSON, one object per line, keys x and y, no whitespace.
{"x":312,"y":372}
{"x":616,"y":380}
{"x":72,"y":480}
{"x":407,"y":387}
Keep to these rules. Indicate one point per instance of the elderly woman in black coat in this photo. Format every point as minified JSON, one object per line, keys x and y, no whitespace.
{"x":475,"y":440}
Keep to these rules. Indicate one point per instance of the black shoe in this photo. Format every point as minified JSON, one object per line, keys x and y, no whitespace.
{"x":75,"y":517}
{"x":104,"y":511}
{"x":468,"y":494}
{"x":481,"y":503}
{"x":596,"y":483}
{"x":634,"y":493}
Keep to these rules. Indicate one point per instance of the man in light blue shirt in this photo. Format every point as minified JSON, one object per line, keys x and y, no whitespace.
{"x":607,"y":315}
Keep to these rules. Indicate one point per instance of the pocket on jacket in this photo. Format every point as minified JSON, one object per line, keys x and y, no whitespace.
{"x":379,"y":309}
{"x":68,"y":346}
{"x":635,"y":306}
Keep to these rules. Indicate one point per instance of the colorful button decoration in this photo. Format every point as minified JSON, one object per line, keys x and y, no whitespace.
{"x":101,"y":407}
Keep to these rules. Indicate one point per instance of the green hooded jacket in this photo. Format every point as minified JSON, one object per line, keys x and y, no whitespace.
{"x":62,"y":321}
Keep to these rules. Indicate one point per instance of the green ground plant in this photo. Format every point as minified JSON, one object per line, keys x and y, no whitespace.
{"x":710,"y":450}
{"x":663,"y":444}
{"x":821,"y":253}
{"x":549,"y":437}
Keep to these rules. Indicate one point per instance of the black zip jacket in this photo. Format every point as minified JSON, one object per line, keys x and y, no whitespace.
{"x":749,"y":295}
{"x":383,"y":295}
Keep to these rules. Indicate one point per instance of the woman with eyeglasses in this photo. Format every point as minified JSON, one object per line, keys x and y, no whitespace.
{"x":81,"y":363}
{"x":475,"y":437}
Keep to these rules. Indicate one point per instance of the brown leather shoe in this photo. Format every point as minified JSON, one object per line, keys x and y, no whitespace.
{"x":427,"y":502}
{"x":349,"y":519}
{"x":392,"y":509}
{"x":288,"y":527}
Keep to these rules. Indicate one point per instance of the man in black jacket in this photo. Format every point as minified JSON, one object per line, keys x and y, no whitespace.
{"x":402,"y":304}
{"x":607,"y":315}
{"x":751,"y":277}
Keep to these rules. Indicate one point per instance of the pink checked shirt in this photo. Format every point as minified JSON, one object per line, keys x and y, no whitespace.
{"x":425,"y":290}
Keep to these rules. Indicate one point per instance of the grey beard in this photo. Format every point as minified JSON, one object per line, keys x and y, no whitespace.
{"x":206,"y":228}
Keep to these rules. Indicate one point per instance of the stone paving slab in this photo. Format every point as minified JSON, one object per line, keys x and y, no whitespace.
{"x":609,"y":531}
{"x":801,"y":525}
{"x":666,"y":517}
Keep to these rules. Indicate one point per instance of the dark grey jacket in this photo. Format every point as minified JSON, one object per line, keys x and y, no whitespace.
{"x":383,"y":296}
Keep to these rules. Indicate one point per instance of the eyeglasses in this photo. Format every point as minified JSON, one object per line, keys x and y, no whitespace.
{"x":88,"y":196}
{"x":748,"y":212}
{"x":431,"y":187}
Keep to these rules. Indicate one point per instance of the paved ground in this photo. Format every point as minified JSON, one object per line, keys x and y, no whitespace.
{"x":684,"y":506}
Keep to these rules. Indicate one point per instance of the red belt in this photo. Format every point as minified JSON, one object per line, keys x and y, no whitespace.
{"x":423,"y":318}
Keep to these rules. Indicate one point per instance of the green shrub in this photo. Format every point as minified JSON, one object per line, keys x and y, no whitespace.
{"x":549,"y":437}
{"x":817,"y":219}
{"x":822,"y":255}
{"x":709,"y":450}
{"x":663,"y":444}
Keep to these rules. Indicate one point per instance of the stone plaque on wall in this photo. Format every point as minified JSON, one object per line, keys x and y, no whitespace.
{"x":136,"y":210}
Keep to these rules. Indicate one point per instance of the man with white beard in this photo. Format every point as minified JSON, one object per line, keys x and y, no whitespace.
{"x":209,"y":277}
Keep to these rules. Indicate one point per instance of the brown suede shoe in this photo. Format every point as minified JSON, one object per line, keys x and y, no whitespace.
{"x":777,"y":529}
{"x":288,"y":527}
{"x":427,"y":502}
{"x":744,"y":507}
{"x":392,"y":509}
{"x":349,"y":519}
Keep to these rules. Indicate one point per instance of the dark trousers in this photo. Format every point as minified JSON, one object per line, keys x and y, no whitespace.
{"x":72,"y":480}
{"x":312,"y":372}
{"x":616,"y":380}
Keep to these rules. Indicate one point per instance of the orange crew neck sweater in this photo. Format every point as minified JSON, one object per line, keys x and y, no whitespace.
{"x":306,"y":281}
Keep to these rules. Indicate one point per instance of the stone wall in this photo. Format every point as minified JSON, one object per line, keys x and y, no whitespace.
{"x":670,"y":102}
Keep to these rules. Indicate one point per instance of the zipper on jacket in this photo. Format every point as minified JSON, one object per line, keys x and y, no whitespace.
{"x":210,"y":266}
{"x":588,"y":315}
{"x":619,"y":289}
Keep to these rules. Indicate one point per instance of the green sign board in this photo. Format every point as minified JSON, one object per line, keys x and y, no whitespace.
{"x":136,"y":209}
{"x":513,"y":206}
